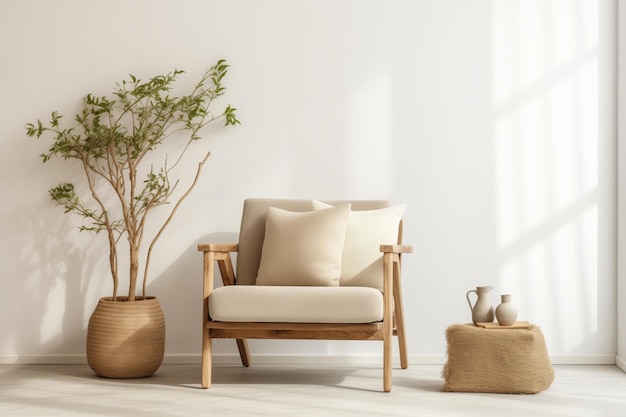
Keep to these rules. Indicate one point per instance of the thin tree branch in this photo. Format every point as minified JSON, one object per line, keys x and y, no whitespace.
{"x":169,"y":219}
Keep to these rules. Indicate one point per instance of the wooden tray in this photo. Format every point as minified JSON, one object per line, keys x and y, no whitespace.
{"x":495,"y":325}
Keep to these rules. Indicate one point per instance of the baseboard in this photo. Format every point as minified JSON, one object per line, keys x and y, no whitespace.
{"x":583,"y":359}
{"x":58,"y":359}
{"x":336,"y":360}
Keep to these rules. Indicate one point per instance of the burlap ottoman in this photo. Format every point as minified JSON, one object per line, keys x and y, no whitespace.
{"x":507,"y":361}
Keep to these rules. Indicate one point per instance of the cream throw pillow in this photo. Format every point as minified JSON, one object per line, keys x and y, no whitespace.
{"x":362,"y":263}
{"x":303,"y":248}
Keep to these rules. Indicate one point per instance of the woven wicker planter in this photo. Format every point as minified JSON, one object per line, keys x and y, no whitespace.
{"x":126,"y":339}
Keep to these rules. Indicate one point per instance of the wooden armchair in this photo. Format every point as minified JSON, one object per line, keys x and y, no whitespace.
{"x":308,"y":270}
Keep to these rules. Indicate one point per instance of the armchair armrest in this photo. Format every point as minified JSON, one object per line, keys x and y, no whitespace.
{"x":218,"y":247}
{"x":392,"y":255}
{"x":396,"y":249}
{"x":220,"y":253}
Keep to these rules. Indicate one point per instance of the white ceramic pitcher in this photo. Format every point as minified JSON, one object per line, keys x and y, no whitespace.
{"x":482,"y":310}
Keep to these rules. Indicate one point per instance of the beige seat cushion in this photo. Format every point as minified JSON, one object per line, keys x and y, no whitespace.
{"x":296,"y":304}
{"x":303,"y":248}
{"x":362,"y":263}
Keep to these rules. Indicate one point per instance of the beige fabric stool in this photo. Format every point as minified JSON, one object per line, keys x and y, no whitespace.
{"x":507,"y":361}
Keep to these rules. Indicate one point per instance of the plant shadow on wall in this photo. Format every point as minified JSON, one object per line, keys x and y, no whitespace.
{"x":132,"y":148}
{"x":53,"y":265}
{"x":182,"y":282}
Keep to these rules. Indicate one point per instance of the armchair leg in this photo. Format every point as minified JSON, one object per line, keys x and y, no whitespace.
{"x":388,"y":316}
{"x":387,"y":362}
{"x":244,"y":352}
{"x":404,"y":360}
{"x":207,"y":359}
{"x":399,"y":319}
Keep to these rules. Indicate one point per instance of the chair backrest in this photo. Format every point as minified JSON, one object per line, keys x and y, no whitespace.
{"x":252,"y":232}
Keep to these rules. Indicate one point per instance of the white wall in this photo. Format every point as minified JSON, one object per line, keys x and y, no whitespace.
{"x":621,"y":243}
{"x":494,"y":121}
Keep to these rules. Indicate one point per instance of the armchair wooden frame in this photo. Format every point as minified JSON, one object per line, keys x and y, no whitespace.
{"x":392,"y":324}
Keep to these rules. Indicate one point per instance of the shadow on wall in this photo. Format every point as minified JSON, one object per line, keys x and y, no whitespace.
{"x":179,"y":289}
{"x":547,"y":146}
{"x":58,"y":283}
{"x":57,"y":266}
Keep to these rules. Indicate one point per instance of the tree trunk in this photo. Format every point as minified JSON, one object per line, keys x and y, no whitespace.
{"x":134,"y":270}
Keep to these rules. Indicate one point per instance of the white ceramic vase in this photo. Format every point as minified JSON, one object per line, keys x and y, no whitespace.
{"x":506,"y":312}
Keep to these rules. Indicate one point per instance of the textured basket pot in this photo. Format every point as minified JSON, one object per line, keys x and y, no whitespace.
{"x":126,"y":339}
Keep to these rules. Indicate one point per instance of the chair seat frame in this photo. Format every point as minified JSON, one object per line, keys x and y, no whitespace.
{"x":391,"y":325}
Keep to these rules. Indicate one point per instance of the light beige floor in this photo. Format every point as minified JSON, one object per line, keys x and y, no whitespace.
{"x":73,"y":390}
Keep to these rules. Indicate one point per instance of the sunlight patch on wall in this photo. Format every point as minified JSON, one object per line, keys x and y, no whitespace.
{"x":546,"y":151}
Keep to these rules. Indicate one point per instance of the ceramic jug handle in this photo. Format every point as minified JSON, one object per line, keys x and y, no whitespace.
{"x":468,"y":300}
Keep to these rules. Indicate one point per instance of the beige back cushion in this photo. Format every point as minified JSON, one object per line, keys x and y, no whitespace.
{"x":362,"y":262}
{"x":252,"y":232}
{"x":303,"y":248}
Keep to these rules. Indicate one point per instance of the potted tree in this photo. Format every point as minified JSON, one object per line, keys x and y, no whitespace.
{"x":129,"y":146}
